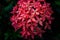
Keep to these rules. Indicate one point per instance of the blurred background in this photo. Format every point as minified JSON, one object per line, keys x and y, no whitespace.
{"x":7,"y":31}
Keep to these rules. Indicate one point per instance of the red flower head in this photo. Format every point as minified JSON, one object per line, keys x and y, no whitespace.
{"x":32,"y":16}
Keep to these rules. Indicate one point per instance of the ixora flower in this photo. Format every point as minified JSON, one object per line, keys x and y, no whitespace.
{"x":32,"y":16}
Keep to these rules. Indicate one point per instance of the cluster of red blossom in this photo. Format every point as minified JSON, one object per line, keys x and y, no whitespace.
{"x":32,"y":16}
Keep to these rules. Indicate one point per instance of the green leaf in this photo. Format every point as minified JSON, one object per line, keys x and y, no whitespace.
{"x":57,"y":2}
{"x":6,"y":36}
{"x":18,"y":35}
{"x":9,"y":7}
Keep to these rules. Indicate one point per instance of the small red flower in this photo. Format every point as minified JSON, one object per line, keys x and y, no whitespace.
{"x":33,"y":17}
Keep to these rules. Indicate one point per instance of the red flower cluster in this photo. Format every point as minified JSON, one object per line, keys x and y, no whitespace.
{"x":32,"y":16}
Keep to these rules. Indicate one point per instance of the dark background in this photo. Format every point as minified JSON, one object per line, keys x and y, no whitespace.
{"x":7,"y":31}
